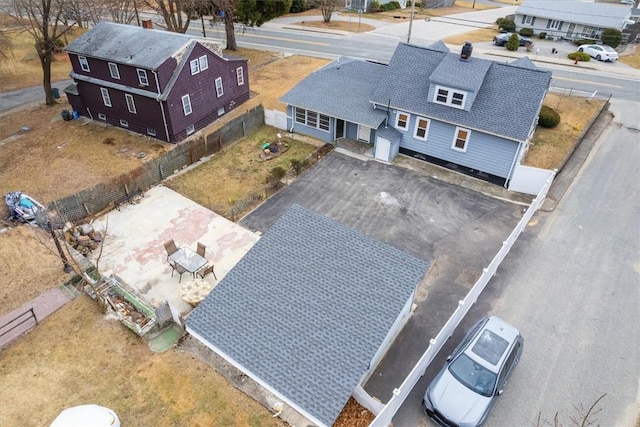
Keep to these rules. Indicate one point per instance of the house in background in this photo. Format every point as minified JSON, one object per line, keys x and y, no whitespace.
{"x":572,"y":20}
{"x":309,"y":311}
{"x":156,"y":83}
{"x":456,"y":110}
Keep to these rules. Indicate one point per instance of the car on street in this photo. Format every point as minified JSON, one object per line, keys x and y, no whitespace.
{"x":475,"y":374}
{"x":502,"y":39}
{"x":601,"y":52}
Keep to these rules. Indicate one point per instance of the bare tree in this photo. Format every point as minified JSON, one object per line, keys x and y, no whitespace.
{"x":173,"y":12}
{"x":327,"y":7}
{"x":585,"y":417}
{"x":42,"y":20}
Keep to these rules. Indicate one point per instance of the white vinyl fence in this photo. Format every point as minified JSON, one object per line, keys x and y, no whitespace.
{"x":385,"y":416}
{"x":275,"y":118}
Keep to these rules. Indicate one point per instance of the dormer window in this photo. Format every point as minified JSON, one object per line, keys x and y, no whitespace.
{"x":451,"y":97}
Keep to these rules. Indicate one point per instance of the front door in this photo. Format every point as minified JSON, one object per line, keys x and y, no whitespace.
{"x":364,"y":133}
{"x":570,"y":30}
{"x":339,"y":128}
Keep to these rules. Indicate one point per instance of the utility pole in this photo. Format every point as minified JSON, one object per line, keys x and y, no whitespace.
{"x":413,"y":8}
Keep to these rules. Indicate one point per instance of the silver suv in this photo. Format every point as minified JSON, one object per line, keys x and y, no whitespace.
{"x":475,"y":374}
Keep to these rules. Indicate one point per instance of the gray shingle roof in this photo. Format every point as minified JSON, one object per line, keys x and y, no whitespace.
{"x":506,"y":104}
{"x":594,"y":14}
{"x":307,"y":308}
{"x":342,"y":89}
{"x":468,"y":76}
{"x":131,"y":45}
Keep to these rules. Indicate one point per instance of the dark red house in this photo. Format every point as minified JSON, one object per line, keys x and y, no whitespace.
{"x":165,"y":85}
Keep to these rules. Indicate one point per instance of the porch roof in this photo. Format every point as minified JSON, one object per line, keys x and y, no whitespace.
{"x":342,"y":89}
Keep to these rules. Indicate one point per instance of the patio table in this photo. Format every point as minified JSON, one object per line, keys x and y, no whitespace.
{"x":188,"y":259}
{"x":194,"y":291}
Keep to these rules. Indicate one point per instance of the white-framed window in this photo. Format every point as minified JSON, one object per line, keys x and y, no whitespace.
{"x":142,"y":77}
{"x":219,"y":88}
{"x":113,"y":70}
{"x":131,"y":104}
{"x":105,"y":96}
{"x":102,"y":116}
{"x":312,"y":119}
{"x":554,"y":24}
{"x":402,"y":121}
{"x":461,"y":139}
{"x":124,"y":123}
{"x":204,"y":62}
{"x":186,"y":105}
{"x":190,"y":129}
{"x":240,"y":76}
{"x":220,"y":111}
{"x":84,"y":64}
{"x":528,"y":19}
{"x":195,"y":66}
{"x":421,"y":129}
{"x":449,"y":97}
{"x":151,"y":132}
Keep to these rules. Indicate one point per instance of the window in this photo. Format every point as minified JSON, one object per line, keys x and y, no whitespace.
{"x":219,"y":89}
{"x":460,"y":139}
{"x":102,"y":116}
{"x":105,"y":96}
{"x":84,"y":64}
{"x":190,"y":129}
{"x":204,"y":62}
{"x":592,"y":32}
{"x":124,"y":123}
{"x":528,"y":20}
{"x":186,"y":105}
{"x":450,"y":97}
{"x":131,"y":105}
{"x":151,"y":132}
{"x":422,"y":127}
{"x":113,"y":69}
{"x":195,"y":67}
{"x":402,"y":121}
{"x":554,"y":24}
{"x":142,"y":77}
{"x":220,"y":111}
{"x":240,"y":76}
{"x":312,"y":119}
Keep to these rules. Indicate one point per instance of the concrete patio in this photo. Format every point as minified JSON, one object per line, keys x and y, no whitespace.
{"x":134,"y":243}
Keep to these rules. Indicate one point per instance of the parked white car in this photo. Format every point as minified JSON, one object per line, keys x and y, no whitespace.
{"x":601,"y":52}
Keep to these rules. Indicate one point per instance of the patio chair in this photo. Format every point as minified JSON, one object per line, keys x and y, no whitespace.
{"x":180,"y":269}
{"x":206,"y":271}
{"x":171,"y":248}
{"x":201,"y":249}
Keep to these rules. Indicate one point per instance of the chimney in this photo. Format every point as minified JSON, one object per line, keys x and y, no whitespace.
{"x":466,"y":51}
{"x":147,"y":23}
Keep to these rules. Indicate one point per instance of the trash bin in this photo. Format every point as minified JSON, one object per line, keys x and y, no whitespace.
{"x":56,"y":92}
{"x":66,"y":115}
{"x":75,"y":114}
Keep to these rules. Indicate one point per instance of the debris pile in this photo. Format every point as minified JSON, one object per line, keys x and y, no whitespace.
{"x":83,"y":238}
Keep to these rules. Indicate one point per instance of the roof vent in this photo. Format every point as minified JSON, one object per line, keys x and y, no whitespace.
{"x":466,"y":51}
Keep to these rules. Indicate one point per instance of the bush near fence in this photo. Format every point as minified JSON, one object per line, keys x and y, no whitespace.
{"x":101,"y":197}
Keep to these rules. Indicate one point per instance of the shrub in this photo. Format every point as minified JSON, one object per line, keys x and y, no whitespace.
{"x":580,"y":42}
{"x":612,"y":37}
{"x":514,"y":42}
{"x":374,"y":6}
{"x":298,"y":6}
{"x":276,"y":175}
{"x":542,"y":35}
{"x":390,"y":6}
{"x":580,"y":56}
{"x":548,"y":118}
{"x":297,"y":166}
{"x":526,"y":32}
{"x":505,"y":24}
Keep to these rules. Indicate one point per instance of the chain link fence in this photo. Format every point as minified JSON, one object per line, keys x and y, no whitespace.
{"x":105,"y":196}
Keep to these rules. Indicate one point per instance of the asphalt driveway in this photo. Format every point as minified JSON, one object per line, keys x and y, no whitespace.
{"x":456,"y":229}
